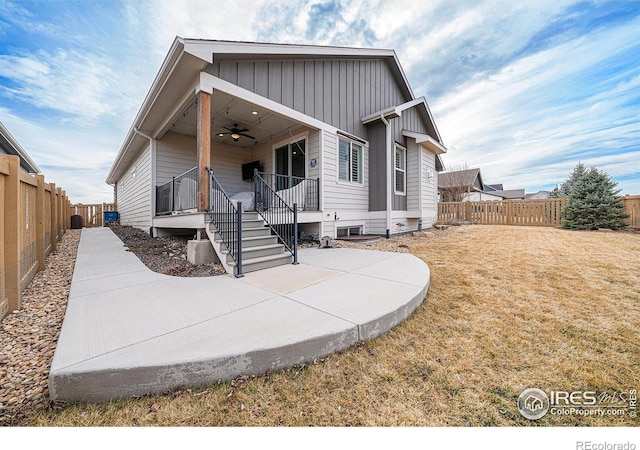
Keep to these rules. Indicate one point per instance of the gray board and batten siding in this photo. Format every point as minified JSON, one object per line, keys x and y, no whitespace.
{"x":336,"y":91}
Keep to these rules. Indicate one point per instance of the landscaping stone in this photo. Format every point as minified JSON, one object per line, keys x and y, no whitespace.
{"x":28,"y":336}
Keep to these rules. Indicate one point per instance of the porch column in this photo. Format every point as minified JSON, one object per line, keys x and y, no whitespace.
{"x":204,"y":149}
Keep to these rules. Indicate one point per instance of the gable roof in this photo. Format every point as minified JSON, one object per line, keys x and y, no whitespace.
{"x":493,"y":187}
{"x":538,"y":195}
{"x":186,"y":65}
{"x":460,"y":178}
{"x":10,"y":146}
{"x":509,"y":194}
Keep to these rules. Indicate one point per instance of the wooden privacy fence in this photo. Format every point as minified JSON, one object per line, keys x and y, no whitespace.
{"x":632,"y":207}
{"x":545,"y":212}
{"x":539,"y":212}
{"x":33,"y":217}
{"x":92,"y":214}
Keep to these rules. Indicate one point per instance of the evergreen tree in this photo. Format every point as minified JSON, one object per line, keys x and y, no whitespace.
{"x":594,"y":203}
{"x":566,"y":187}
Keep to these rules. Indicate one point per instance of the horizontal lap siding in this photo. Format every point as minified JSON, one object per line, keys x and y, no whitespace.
{"x":413,"y":176}
{"x":134,"y":193}
{"x":313,"y":152}
{"x":227,"y":161}
{"x":429,"y":189}
{"x":341,"y":195}
{"x":175,"y":154}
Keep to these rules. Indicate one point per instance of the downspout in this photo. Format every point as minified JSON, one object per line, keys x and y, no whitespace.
{"x":152,"y":153}
{"x":389,"y":163}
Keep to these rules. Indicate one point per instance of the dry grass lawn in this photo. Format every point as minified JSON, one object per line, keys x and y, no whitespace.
{"x":508,"y":308}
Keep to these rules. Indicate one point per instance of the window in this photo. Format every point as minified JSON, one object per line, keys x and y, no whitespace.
{"x":349,"y":161}
{"x":400,"y":170}
{"x":349,"y":231}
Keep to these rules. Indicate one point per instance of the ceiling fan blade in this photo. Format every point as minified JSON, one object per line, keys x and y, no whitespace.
{"x":247,"y":136}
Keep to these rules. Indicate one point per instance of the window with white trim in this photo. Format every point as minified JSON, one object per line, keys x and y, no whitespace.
{"x":349,"y":231}
{"x":400,"y":171}
{"x":350,"y":161}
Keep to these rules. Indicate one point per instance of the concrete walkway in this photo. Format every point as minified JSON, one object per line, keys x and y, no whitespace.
{"x":130,"y":331}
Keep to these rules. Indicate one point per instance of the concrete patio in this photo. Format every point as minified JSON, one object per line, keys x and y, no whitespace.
{"x":130,"y":331}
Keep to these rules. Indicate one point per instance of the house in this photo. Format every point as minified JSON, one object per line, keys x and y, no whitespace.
{"x":336,"y":131}
{"x":459,"y":185}
{"x":540,"y":195}
{"x":509,"y":194}
{"x":9,"y":146}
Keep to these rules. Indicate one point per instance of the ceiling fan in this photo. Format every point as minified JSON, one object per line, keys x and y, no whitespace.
{"x":236,"y":132}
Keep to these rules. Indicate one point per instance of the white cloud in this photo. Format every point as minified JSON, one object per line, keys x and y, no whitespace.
{"x":79,"y":84}
{"x":534,"y":113}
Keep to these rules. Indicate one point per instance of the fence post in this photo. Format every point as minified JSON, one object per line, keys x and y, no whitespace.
{"x":12,"y":233}
{"x":54,"y":218}
{"x":509,"y":211}
{"x":40,"y":222}
{"x":59,"y":205}
{"x":467,"y":212}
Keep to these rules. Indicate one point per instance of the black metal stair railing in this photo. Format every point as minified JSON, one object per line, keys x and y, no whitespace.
{"x":227,"y":218}
{"x":305,"y":192}
{"x":277,"y":214}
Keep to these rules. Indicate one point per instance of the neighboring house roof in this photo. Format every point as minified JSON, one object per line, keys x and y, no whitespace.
{"x":538,"y":195}
{"x":219,"y":65}
{"x":493,"y":187}
{"x":10,"y":146}
{"x":470,"y":178}
{"x":510,"y":194}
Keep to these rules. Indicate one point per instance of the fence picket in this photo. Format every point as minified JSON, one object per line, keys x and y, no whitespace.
{"x":537,"y":212}
{"x":32,"y":218}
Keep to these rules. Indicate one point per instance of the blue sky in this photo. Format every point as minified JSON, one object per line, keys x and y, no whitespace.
{"x":522,"y":89}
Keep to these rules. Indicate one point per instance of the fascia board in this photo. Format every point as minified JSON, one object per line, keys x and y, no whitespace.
{"x":243,"y":50}
{"x":426,"y":141}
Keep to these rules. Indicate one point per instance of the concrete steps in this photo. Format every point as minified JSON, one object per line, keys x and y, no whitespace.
{"x":260,"y":249}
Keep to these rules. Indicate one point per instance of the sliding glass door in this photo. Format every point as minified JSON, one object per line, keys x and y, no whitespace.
{"x":290,"y":164}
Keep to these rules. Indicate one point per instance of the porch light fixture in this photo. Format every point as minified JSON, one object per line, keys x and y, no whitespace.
{"x":255,"y":113}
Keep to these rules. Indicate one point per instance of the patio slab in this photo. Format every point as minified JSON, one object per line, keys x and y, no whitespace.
{"x":130,"y":331}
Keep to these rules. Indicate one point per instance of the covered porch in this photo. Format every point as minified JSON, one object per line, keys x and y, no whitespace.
{"x":234,"y":138}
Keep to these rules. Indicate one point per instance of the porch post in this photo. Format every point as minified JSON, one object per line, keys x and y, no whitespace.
{"x":204,"y":149}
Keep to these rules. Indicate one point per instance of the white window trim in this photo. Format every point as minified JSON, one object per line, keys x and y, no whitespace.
{"x":349,"y":182}
{"x":395,"y":170}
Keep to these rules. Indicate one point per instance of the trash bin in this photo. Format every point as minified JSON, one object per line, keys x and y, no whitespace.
{"x":110,"y":218}
{"x":76,"y":222}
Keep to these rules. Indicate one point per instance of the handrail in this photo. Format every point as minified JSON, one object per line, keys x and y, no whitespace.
{"x":227,"y":218}
{"x":303,"y":191}
{"x":277,"y":214}
{"x":179,"y":194}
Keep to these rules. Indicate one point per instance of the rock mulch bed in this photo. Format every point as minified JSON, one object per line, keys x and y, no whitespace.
{"x":166,"y":255}
{"x":28,"y":337}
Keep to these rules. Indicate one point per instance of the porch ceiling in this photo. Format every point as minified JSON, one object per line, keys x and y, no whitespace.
{"x":229,"y":111}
